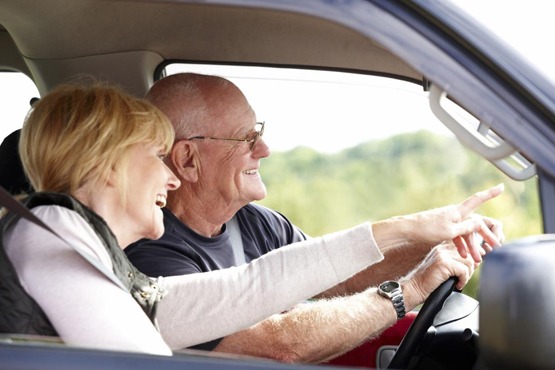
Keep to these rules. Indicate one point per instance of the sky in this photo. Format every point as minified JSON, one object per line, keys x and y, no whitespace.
{"x":328,"y":111}
{"x":334,"y":101}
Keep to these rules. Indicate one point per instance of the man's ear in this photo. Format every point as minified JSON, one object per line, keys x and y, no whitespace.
{"x":184,"y":158}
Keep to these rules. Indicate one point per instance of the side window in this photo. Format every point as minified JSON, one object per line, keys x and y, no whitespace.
{"x":16,"y":92}
{"x":349,"y":148}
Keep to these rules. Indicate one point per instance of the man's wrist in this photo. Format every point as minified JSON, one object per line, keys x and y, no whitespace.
{"x":411,"y":294}
{"x":392,"y":290}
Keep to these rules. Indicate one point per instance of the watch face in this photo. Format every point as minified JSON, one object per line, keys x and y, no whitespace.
{"x":389,"y":286}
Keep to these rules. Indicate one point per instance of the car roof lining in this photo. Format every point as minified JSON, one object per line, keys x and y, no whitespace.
{"x":193,"y":32}
{"x":10,"y":58}
{"x":158,"y":73}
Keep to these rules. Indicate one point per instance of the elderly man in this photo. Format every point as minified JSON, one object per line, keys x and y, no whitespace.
{"x":216,"y":156}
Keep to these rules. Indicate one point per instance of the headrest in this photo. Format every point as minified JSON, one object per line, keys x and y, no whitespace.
{"x":12,"y":177}
{"x":517,"y":305}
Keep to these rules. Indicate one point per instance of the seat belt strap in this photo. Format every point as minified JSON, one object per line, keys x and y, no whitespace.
{"x":236,"y":241}
{"x":12,"y":204}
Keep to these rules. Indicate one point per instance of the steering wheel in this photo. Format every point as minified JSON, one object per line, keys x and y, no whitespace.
{"x":421,"y":324}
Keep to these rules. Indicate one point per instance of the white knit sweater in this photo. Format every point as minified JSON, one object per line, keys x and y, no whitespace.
{"x":88,"y":309}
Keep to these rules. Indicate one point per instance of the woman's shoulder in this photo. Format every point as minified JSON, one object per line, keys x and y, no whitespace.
{"x":56,"y":215}
{"x":69,"y":226}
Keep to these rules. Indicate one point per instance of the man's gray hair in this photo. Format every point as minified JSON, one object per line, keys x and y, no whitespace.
{"x":180,"y":97}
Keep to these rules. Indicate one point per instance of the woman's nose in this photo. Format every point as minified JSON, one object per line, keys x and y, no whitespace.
{"x":173,"y":181}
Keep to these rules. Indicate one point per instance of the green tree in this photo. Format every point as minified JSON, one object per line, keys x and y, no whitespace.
{"x":407,"y":173}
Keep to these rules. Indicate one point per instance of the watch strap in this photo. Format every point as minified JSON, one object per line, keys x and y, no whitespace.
{"x":392,"y":290}
{"x":398,"y":303}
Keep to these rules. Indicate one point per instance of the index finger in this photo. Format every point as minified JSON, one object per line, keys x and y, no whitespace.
{"x":470,"y":204}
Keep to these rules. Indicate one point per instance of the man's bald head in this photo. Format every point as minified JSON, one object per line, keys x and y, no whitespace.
{"x":191,"y":100}
{"x":218,"y":176}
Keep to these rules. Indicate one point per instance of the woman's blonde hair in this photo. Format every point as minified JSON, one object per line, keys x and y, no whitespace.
{"x":77,"y":134}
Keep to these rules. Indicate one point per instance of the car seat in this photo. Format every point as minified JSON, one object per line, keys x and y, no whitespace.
{"x":12,"y":176}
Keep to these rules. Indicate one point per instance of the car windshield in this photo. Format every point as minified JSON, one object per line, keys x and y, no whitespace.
{"x":527,"y":27}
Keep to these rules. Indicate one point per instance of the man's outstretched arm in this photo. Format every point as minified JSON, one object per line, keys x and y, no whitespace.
{"x":418,"y":233}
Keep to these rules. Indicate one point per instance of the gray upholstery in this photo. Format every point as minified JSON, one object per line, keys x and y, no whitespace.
{"x":517,"y":305}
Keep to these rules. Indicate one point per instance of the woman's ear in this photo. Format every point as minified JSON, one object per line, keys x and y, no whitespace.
{"x":183,"y":157}
{"x":113,"y":178}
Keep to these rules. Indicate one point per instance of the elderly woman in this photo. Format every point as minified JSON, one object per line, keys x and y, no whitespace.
{"x":95,"y":157}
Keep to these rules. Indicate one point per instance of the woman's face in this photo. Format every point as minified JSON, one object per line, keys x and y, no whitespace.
{"x":148,"y":183}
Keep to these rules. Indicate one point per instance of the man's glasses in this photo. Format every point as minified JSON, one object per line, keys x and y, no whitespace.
{"x":255,"y":138}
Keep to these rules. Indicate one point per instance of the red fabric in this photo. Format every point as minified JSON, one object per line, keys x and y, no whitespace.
{"x":365,"y":354}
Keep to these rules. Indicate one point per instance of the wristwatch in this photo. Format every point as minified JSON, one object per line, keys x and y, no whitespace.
{"x":392,"y":290}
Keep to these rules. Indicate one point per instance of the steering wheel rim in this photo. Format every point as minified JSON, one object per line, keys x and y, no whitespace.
{"x":421,"y":324}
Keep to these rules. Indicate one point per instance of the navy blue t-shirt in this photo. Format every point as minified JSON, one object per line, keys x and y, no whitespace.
{"x":182,"y":251}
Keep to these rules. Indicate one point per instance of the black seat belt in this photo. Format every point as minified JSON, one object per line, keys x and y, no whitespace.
{"x":236,"y":241}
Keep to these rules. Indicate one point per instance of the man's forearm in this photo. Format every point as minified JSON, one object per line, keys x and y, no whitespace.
{"x":394,"y":238}
{"x":316,"y":332}
{"x":397,"y":262}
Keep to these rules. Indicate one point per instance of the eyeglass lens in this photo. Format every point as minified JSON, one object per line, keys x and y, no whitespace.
{"x":257,"y":136}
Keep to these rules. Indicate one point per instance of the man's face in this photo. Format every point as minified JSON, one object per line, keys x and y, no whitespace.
{"x":228,"y":169}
